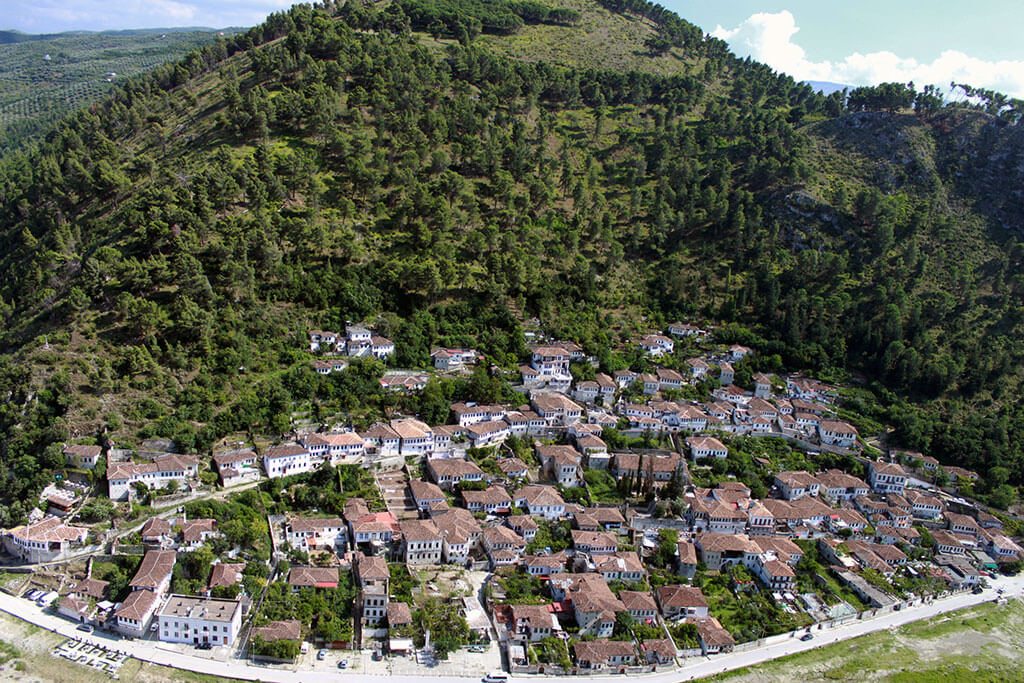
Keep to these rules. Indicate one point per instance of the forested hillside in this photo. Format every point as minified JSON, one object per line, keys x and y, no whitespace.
{"x":165,"y":251}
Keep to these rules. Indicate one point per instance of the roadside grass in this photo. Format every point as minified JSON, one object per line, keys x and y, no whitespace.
{"x":976,"y":644}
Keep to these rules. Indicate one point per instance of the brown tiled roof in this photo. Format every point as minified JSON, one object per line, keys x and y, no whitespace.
{"x":193,"y":529}
{"x":600,"y":651}
{"x":425,"y":490}
{"x":539,"y":495}
{"x":554,"y":560}
{"x":94,"y":588}
{"x":886,"y":467}
{"x":155,"y":527}
{"x":419,"y":530}
{"x":713,"y":542}
{"x":598,"y":539}
{"x":399,"y":614}
{"x":83,"y":451}
{"x":537,"y":615}
{"x":355,"y":508}
{"x":492,"y":495}
{"x":509,"y":465}
{"x":290,"y":629}
{"x":524,"y":522}
{"x":452,"y":467}
{"x":313,"y":576}
{"x":606,"y":515}
{"x":711,"y":632}
{"x":75,"y":604}
{"x":637,"y":600}
{"x":619,"y":561}
{"x":664,"y":647}
{"x":49,"y":530}
{"x":500,"y":535}
{"x":224,"y":459}
{"x":137,"y":604}
{"x":372,"y":568}
{"x":226,"y":574}
{"x":156,"y":566}
{"x":284,"y":451}
{"x":687,"y":553}
{"x":680,"y":596}
{"x":839,"y":479}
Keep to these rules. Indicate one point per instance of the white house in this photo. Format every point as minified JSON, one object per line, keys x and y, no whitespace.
{"x":44,"y":541}
{"x":886,"y":477}
{"x":186,"y":619}
{"x":309,"y":533}
{"x":656,"y":345}
{"x":282,"y":461}
{"x":685,"y":330}
{"x":123,"y":476}
{"x":836,"y":433}
{"x":557,"y":409}
{"x":706,"y":447}
{"x":540,"y":500}
{"x":84,"y":457}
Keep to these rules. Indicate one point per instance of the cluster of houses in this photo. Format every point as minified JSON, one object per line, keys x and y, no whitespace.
{"x":467,"y":516}
{"x":357,"y":342}
{"x":150,"y":608}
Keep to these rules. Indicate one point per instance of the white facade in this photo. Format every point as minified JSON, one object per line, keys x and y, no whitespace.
{"x":284,"y":461}
{"x":186,"y":619}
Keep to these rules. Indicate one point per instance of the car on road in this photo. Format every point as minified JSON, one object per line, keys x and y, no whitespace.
{"x":321,"y":655}
{"x":84,"y":628}
{"x":343,"y":664}
{"x":204,"y":646}
{"x":496,"y":677}
{"x":478,"y":648}
{"x":807,"y":636}
{"x":977,"y":590}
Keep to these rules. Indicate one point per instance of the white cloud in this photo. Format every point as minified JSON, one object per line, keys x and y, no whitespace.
{"x":768,"y":38}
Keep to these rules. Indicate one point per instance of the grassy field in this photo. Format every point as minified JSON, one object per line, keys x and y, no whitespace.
{"x":978,"y":644}
{"x":42,"y":80}
{"x":600,"y":40}
{"x":25,"y":655}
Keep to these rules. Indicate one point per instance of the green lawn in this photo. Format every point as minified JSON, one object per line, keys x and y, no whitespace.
{"x":982,"y":643}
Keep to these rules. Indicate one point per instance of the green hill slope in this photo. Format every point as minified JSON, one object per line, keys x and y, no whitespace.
{"x":166,"y":251}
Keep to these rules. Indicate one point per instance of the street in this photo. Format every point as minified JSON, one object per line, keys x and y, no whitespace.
{"x":777,"y":646}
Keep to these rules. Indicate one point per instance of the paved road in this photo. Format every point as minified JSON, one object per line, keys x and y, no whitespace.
{"x":778,"y":646}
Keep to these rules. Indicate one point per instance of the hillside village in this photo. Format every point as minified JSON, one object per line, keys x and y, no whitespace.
{"x":618,"y":522}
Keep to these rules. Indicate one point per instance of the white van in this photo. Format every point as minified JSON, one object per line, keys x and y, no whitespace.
{"x":496,"y":677}
{"x":47,"y":599}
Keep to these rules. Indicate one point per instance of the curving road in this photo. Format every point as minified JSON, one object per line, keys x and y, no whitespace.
{"x":697,"y":667}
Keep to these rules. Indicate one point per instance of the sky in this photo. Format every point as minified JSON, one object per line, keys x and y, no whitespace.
{"x":867,"y":42}
{"x":859,"y":42}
